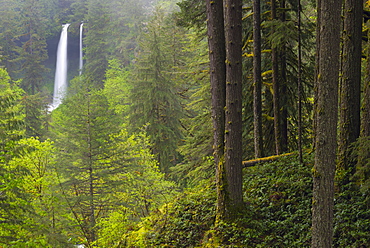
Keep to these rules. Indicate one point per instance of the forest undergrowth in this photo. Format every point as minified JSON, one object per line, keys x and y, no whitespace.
{"x":277,"y":213}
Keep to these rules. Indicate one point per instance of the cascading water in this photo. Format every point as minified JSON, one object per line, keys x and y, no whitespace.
{"x":60,"y":82}
{"x":81,"y":54}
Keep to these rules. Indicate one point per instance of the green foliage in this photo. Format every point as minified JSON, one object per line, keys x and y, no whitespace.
{"x":159,"y":80}
{"x":361,"y":154}
{"x":11,"y":130}
{"x":196,"y":149}
{"x":37,"y":118}
{"x":278,"y":197}
{"x":11,"y":114}
{"x":106,"y":174}
{"x":284,"y":32}
{"x":352,"y":217}
{"x":278,"y":213}
{"x":140,"y":189}
{"x":115,"y":227}
{"x":117,"y":88}
{"x":33,"y":52}
{"x":155,"y":94}
{"x":181,"y":223}
{"x":192,"y":14}
{"x":35,"y":160}
{"x":81,"y":137}
{"x":33,"y":171}
{"x":352,"y":202}
{"x":281,"y":35}
{"x":8,"y":27}
{"x":79,"y":10}
{"x":96,"y":42}
{"x":25,"y":175}
{"x":280,"y":194}
{"x":127,"y":17}
{"x":244,"y":232}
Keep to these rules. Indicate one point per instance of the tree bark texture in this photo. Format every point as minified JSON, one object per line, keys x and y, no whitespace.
{"x":326,"y":114}
{"x":276,"y":88}
{"x":349,"y":122}
{"x":217,"y":56}
{"x":299,"y":83}
{"x":233,"y":110}
{"x":283,"y":88}
{"x":317,"y":58}
{"x":365,"y":120}
{"x":365,"y":109}
{"x":257,"y":102}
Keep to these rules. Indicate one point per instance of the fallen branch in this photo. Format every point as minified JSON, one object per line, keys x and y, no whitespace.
{"x":253,"y":162}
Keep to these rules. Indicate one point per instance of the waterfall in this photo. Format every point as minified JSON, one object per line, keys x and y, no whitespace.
{"x":60,"y":82}
{"x":81,"y":54}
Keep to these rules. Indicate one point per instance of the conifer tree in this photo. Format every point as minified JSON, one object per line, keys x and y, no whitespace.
{"x":326,"y":116}
{"x":349,"y":122}
{"x":11,"y":131}
{"x":217,"y":57}
{"x":225,"y":41}
{"x":233,"y":110}
{"x":33,"y":52}
{"x":81,"y":137}
{"x":126,"y":19}
{"x":365,"y":108}
{"x":154,"y":98}
{"x":8,"y":27}
{"x":257,"y":81}
{"x":12,"y":124}
{"x":196,"y":149}
{"x":276,"y":87}
{"x":97,"y":41}
{"x":37,"y":119}
{"x":362,"y":170}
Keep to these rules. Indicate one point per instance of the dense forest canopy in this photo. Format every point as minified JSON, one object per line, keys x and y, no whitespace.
{"x":192,"y":123}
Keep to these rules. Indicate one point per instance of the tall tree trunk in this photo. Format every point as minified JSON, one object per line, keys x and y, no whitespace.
{"x":276,"y":88}
{"x":217,"y":56}
{"x":92,"y":221}
{"x":363,"y":170}
{"x":365,"y":109}
{"x":315,"y":87}
{"x":326,"y":114}
{"x":283,"y":88}
{"x":257,"y":103}
{"x":300,"y":83}
{"x":349,"y":122}
{"x":233,"y":110}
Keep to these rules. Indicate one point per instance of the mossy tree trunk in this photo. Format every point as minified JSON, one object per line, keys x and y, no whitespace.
{"x":326,"y":114}
{"x":299,"y":82}
{"x":349,"y":122}
{"x":365,"y":108}
{"x":257,"y":102}
{"x":362,"y":167}
{"x":283,"y":87}
{"x":233,"y":111}
{"x":276,"y":87}
{"x":315,"y":87}
{"x":217,"y":56}
{"x":224,"y":25}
